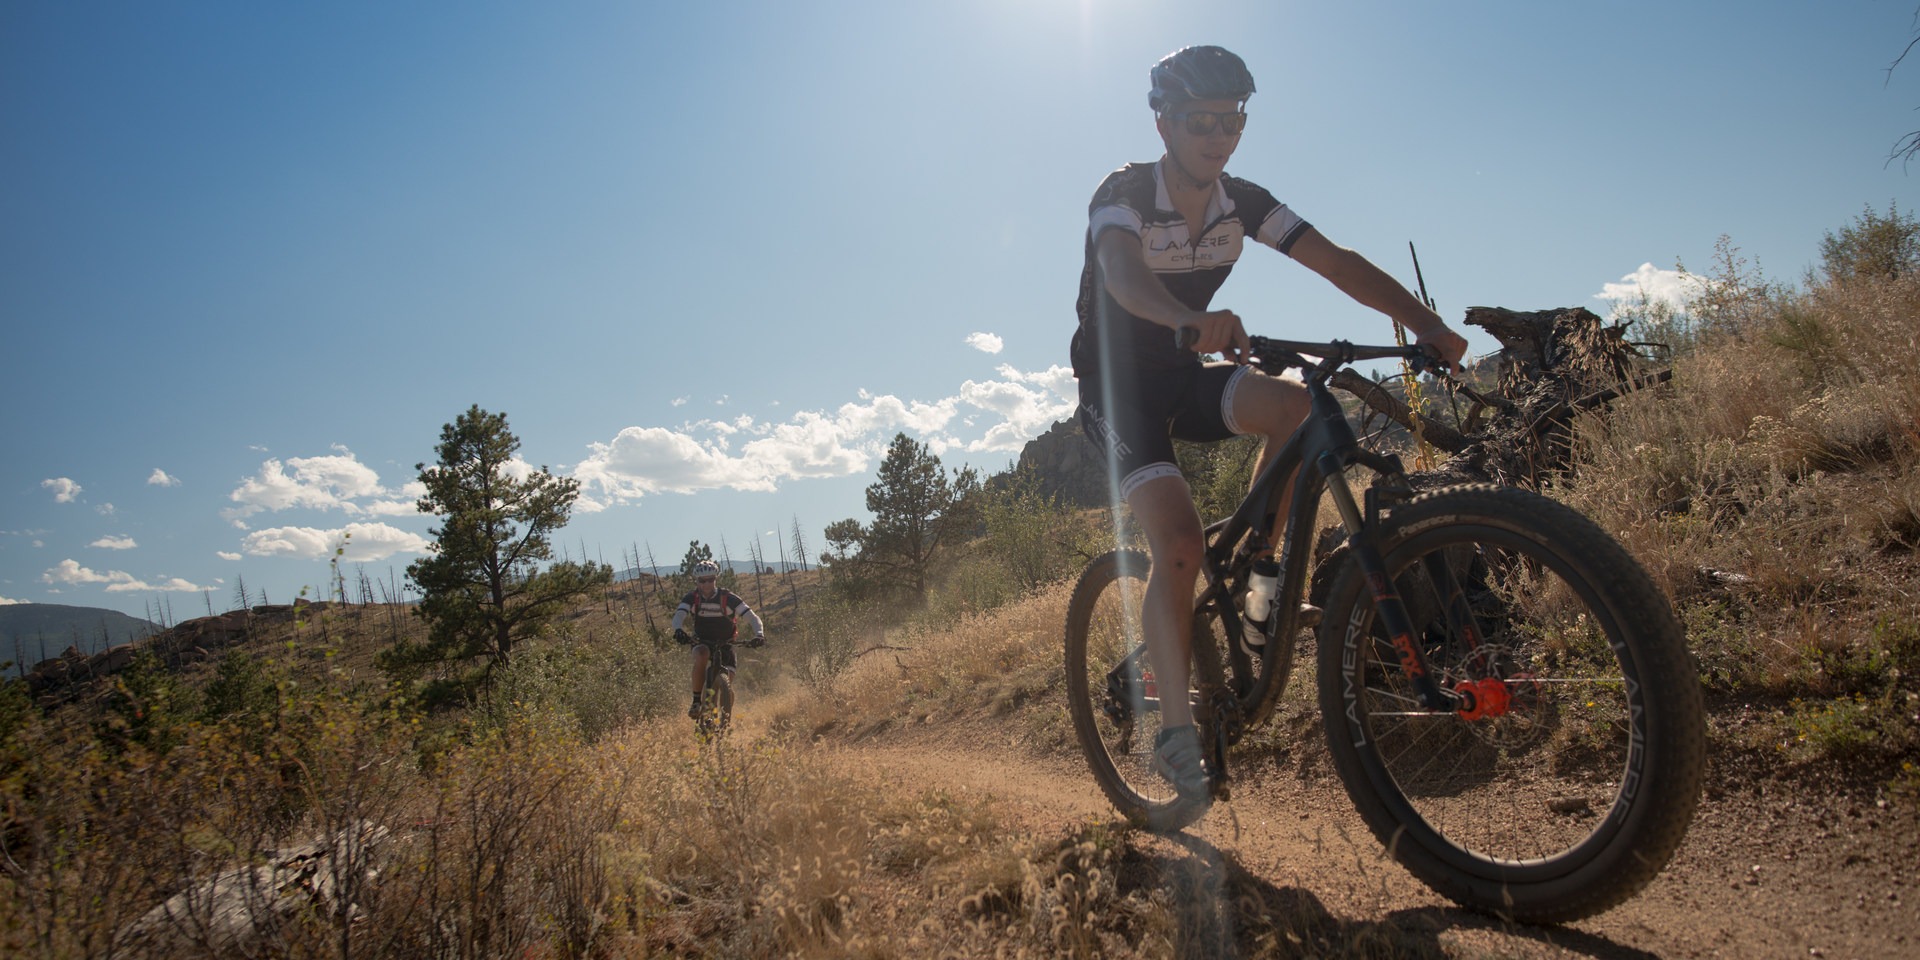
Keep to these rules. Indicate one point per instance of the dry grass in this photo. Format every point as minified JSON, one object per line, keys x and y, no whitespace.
{"x":987,"y":664}
{"x":1772,"y":489}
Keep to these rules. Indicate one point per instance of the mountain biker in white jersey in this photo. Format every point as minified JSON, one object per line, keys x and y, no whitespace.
{"x":713,"y":610}
{"x":1161,"y":238}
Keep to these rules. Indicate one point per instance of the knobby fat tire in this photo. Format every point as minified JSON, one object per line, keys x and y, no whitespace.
{"x":1647,"y":820}
{"x":1084,"y":678}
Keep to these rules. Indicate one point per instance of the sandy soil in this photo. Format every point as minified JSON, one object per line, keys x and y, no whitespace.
{"x":1763,"y":872}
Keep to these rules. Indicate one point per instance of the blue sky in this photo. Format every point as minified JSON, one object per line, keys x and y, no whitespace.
{"x":709,"y":258}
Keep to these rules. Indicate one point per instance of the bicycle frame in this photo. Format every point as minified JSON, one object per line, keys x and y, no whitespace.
{"x":1229,"y":702}
{"x":1505,"y":692}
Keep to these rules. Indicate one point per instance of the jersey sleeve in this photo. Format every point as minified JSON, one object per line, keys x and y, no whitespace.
{"x":1113,"y":208}
{"x":1281,"y":228}
{"x":1269,"y":221}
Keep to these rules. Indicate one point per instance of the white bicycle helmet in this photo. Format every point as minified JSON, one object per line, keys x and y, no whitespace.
{"x":706,"y":568}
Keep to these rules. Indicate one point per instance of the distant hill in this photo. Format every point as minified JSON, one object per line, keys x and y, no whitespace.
{"x":31,"y":632}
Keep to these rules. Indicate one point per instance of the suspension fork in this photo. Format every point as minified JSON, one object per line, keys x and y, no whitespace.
{"x":1461,"y":621}
{"x":711,"y":694}
{"x":1392,"y":611}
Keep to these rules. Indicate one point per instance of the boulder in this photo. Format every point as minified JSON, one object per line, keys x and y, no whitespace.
{"x":235,"y":911}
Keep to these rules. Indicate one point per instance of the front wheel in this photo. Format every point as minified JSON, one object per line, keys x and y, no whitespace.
{"x":1567,"y":774}
{"x":1112,"y":694}
{"x":715,"y":713}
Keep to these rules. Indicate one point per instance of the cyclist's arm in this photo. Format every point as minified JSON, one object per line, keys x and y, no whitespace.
{"x":679,"y":616}
{"x":753,"y":620}
{"x":1368,"y":285}
{"x":1124,"y":270}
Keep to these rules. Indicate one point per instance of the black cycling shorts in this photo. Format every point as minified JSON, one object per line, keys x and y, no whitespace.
{"x":1136,"y":426}
{"x":728,"y":661}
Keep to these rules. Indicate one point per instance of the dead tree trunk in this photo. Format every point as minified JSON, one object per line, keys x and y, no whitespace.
{"x":1552,"y":365}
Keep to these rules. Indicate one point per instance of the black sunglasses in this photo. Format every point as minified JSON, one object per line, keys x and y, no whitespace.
{"x":705,"y":579}
{"x":1200,"y":123}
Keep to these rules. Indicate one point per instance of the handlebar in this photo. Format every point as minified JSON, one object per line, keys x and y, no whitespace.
{"x":1274,"y":355}
{"x":693,"y":641}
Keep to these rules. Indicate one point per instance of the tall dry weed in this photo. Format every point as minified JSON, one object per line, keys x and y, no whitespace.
{"x":990,"y":663}
{"x":1771,"y":488}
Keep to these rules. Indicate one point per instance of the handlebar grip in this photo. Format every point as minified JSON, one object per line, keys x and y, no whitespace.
{"x":1185,"y":337}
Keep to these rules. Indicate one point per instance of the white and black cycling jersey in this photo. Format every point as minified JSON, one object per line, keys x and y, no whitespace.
{"x":1134,"y":198}
{"x":713,"y":617}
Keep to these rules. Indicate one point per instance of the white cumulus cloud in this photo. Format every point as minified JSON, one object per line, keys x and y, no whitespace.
{"x":6,"y":600}
{"x":64,"y":490}
{"x":117,"y":581}
{"x":226,"y":555}
{"x":363,"y":541}
{"x":985,"y":342}
{"x":1674,"y":288}
{"x":1026,"y":404}
{"x":746,"y":454}
{"x":413,"y":490}
{"x":114,"y":543}
{"x":160,"y":478}
{"x":320,"y":483}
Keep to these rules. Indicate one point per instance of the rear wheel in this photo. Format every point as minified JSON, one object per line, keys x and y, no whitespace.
{"x":1570,"y":771}
{"x":1113,"y":696}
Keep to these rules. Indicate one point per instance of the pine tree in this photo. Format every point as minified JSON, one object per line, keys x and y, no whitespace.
{"x":483,"y":589}
{"x":918,"y":510}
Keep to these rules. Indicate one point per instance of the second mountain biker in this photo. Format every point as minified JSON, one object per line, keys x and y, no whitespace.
{"x":713,"y":610}
{"x":1161,"y":239}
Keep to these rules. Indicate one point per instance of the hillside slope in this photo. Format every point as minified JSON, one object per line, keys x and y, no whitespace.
{"x":1782,"y":860}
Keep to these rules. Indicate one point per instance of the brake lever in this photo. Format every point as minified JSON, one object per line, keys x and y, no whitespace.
{"x":1428,"y":361}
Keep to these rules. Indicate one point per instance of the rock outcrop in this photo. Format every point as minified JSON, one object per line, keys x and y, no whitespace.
{"x":1066,"y":464}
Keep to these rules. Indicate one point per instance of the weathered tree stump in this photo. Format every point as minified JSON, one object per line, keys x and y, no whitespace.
{"x":1552,"y":366}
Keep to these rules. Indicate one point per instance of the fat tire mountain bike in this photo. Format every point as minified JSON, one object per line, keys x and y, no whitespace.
{"x":1506,"y":694}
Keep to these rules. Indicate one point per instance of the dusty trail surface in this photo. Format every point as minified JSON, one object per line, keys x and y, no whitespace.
{"x":1760,"y":875}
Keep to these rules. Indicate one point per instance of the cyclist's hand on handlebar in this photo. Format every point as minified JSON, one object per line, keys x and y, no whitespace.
{"x":1449,"y":345}
{"x":681,"y":637}
{"x":1216,"y":331}
{"x":757,"y":642}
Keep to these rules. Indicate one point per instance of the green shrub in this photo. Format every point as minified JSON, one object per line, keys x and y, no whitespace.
{"x":598,"y":684}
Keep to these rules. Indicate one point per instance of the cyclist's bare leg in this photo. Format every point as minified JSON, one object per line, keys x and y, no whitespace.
{"x":1164,"y":509}
{"x":1273,"y":409}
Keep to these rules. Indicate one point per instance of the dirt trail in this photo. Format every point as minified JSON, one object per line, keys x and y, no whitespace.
{"x":1758,"y":876}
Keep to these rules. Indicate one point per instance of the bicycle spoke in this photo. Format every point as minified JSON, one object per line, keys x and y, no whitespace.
{"x":1533,"y":778}
{"x":1113,"y":694}
{"x":1125,"y":692}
